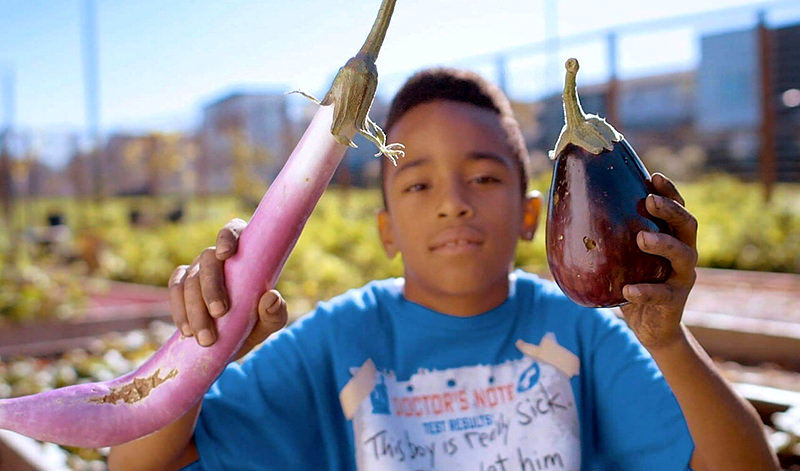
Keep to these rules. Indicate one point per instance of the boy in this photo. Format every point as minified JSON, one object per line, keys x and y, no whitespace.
{"x":464,"y":363}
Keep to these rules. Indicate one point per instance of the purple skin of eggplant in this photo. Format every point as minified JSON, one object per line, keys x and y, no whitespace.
{"x":180,"y":372}
{"x":596,"y":207}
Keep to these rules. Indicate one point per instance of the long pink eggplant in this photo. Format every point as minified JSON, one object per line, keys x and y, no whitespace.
{"x":178,"y":374}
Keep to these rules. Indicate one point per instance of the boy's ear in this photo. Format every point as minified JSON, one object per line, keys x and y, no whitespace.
{"x":386,"y":234}
{"x":532,"y":206}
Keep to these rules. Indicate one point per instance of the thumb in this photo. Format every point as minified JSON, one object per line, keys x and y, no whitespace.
{"x":272,"y":313}
{"x":272,"y":317}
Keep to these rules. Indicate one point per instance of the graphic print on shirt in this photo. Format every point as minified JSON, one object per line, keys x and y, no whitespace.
{"x":519,"y":415}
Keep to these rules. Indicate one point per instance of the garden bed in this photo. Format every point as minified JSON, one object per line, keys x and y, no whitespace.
{"x":112,"y":307}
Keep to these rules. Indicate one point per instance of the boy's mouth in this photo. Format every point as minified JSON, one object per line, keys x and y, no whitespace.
{"x":457,"y":240}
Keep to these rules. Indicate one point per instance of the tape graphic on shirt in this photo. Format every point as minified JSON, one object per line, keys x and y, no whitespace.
{"x":549,"y":351}
{"x":358,"y":388}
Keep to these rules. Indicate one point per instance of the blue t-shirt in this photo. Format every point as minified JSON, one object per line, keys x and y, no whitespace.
{"x":372,"y":381}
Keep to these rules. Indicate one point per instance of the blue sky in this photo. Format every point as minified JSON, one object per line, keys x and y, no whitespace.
{"x":160,"y":61}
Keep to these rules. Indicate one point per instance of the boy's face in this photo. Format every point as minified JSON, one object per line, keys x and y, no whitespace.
{"x":455,"y":208}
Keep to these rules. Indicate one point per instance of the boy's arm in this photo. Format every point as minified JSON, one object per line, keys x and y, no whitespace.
{"x":727,"y":431}
{"x":168,"y":449}
{"x":725,"y":428}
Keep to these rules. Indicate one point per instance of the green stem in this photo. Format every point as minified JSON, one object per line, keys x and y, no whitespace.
{"x":573,"y":112}
{"x":372,"y":45}
{"x":590,"y":132}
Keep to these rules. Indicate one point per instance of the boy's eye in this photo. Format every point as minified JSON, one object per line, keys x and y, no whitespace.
{"x":415,"y":187}
{"x":483,"y":179}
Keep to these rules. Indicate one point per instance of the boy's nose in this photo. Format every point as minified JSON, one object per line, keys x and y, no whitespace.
{"x":454,"y":203}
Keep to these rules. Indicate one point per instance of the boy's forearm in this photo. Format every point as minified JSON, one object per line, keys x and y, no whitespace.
{"x":726,"y":429}
{"x":170,"y":448}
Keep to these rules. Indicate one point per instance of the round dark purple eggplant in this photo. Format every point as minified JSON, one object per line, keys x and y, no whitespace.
{"x":596,"y":208}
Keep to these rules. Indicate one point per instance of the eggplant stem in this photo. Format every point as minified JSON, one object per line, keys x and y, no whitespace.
{"x":372,"y":45}
{"x":353,"y":90}
{"x":588,"y":131}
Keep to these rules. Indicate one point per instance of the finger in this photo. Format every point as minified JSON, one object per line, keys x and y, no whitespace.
{"x":682,"y":222}
{"x":196,"y":312}
{"x":228,"y":238}
{"x":664,"y":186}
{"x":682,"y":257}
{"x":177,"y":307}
{"x":212,"y":283}
{"x":272,"y":312}
{"x":655,"y":293}
{"x":272,"y":317}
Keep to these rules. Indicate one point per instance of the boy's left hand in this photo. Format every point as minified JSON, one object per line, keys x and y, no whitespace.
{"x":655,"y":310}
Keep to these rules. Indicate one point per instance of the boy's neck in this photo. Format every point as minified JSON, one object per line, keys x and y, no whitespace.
{"x":459,"y":304}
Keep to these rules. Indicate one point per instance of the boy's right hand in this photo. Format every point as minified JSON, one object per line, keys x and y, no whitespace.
{"x":197,"y":294}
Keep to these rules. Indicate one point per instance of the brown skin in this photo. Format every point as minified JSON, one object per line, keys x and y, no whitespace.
{"x":655,"y":311}
{"x":197,"y":294}
{"x":726,"y":429}
{"x":458,"y":184}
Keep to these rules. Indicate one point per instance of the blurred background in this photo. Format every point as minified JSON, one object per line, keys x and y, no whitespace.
{"x":131,"y":132}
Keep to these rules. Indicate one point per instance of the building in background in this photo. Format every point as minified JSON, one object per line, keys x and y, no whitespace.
{"x":244,"y":134}
{"x":787,"y":101}
{"x":658,"y":110}
{"x":152,"y":164}
{"x":125,"y":166}
{"x":729,"y":105}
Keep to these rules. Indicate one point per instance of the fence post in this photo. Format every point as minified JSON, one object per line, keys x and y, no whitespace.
{"x":502,"y":78}
{"x":7,"y":189}
{"x":6,"y":180}
{"x":767,"y":158}
{"x":612,"y":91}
{"x":91,"y":88}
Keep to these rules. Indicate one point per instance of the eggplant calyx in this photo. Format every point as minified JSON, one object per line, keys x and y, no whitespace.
{"x":353,"y":91}
{"x":588,"y":131}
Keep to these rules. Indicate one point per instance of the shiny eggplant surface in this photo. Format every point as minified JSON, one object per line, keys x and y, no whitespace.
{"x":595,"y":209}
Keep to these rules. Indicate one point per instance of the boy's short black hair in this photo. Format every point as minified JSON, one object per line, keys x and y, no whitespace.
{"x":444,"y":83}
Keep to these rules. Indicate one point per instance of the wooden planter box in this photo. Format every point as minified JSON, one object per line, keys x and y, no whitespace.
{"x":748,"y":317}
{"x":113,"y":307}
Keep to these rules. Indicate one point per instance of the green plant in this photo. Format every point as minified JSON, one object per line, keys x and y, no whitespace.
{"x":738,"y":230}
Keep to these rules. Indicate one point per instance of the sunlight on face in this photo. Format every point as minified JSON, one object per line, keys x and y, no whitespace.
{"x":454,"y":207}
